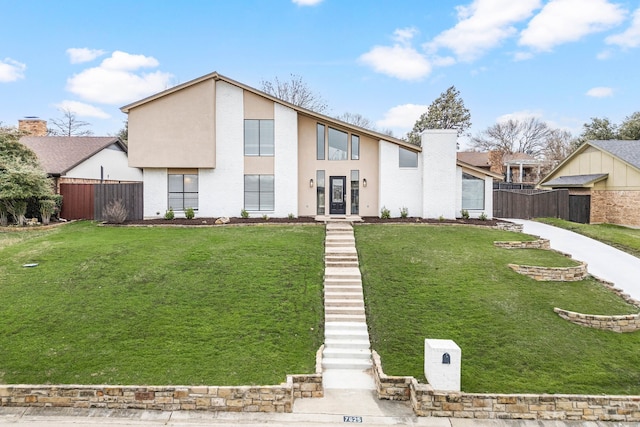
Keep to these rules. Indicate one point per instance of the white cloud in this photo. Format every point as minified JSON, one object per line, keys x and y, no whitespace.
{"x":522,"y":56}
{"x":605,"y":54}
{"x":483,"y":25}
{"x":400,"y":60}
{"x":116,"y":82}
{"x":11,"y":70}
{"x":401,"y":118}
{"x":82,"y":109}
{"x":79,"y":55}
{"x":600,"y":92}
{"x":519,"y":116}
{"x":630,"y":37}
{"x":306,"y":2}
{"x":563,"y":21}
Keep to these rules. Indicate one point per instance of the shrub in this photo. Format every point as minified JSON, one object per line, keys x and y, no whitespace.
{"x":465,"y":214}
{"x":385,"y":213}
{"x":47,"y":208}
{"x":265,"y":217}
{"x":189,"y":213}
{"x":169,"y":214}
{"x":404,"y":212}
{"x":244,"y":214}
{"x":483,"y":217}
{"x":441,"y":218}
{"x":115,"y":212}
{"x":291,"y":216}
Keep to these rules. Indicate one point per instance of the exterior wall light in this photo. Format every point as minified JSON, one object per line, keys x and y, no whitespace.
{"x":311,"y":183}
{"x":364,"y":182}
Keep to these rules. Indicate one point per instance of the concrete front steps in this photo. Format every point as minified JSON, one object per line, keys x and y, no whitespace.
{"x":347,"y":356}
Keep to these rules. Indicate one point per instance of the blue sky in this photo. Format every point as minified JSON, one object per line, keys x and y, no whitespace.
{"x":562,"y":61}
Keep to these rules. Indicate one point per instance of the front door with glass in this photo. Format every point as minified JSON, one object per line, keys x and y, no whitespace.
{"x":338,"y":205}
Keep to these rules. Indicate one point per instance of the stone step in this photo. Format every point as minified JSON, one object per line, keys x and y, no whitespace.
{"x":343,"y":326}
{"x":352,"y":273}
{"x":341,"y":257}
{"x":340,"y":250}
{"x":341,"y":263}
{"x":340,"y":237}
{"x":342,"y":310}
{"x":356,"y":291}
{"x":346,"y":353}
{"x":330,"y":317}
{"x":356,"y":364}
{"x":353,"y":281}
{"x":343,"y":296}
{"x":355,"y":342}
{"x":338,"y":244}
{"x":346,"y":336}
{"x":343,"y":302}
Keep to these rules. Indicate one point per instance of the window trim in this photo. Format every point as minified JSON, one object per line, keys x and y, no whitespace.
{"x":262,"y":145}
{"x":355,"y":147}
{"x":469,"y":177}
{"x":414,"y":156}
{"x":183,"y":174}
{"x":260,"y":193}
{"x":346,"y":150}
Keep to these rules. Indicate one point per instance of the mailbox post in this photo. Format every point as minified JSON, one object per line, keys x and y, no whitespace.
{"x":442,"y":364}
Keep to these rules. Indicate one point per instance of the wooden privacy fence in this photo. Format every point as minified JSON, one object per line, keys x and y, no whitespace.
{"x":527,"y":204}
{"x":87,"y":201}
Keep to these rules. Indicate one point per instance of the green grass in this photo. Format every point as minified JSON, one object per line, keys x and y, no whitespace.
{"x":451,"y":283}
{"x":624,"y":238}
{"x":141,"y":305}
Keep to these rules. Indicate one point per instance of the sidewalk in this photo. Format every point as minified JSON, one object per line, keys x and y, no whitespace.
{"x":604,"y":261}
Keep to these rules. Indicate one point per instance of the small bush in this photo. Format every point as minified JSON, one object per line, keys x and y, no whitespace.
{"x":169,"y":214}
{"x":115,"y":212}
{"x":265,"y":217}
{"x":404,"y":212}
{"x":385,"y":213}
{"x":465,"y":214}
{"x":441,"y":218}
{"x":189,"y":213}
{"x":483,"y":217}
{"x":244,"y":214}
{"x":291,"y":216}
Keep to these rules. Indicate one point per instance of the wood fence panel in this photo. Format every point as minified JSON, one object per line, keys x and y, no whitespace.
{"x":527,"y":204}
{"x":131,"y":195}
{"x":77,"y":201}
{"x":580,"y":208}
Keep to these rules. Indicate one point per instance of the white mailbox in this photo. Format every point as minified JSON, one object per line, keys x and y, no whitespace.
{"x":442,"y":364}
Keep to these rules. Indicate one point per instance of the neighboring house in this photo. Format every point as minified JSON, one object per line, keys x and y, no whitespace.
{"x":606,"y":175}
{"x":220,"y":147}
{"x":518,"y":168}
{"x":82,"y":159}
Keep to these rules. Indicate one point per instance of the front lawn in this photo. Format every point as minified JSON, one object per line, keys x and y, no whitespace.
{"x":450,"y":282}
{"x":141,"y":305}
{"x":624,"y":238}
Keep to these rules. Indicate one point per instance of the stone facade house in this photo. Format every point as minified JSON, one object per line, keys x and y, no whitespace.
{"x":607,"y":174}
{"x":221,"y":147}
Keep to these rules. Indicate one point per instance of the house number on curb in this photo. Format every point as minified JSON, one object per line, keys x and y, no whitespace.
{"x":351,"y":419}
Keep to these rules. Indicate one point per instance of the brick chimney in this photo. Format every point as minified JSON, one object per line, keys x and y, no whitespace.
{"x":33,"y":126}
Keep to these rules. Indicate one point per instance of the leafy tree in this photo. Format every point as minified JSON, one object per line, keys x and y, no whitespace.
{"x":598,"y":129}
{"x":21,"y":177}
{"x":295,"y":91}
{"x":69,"y":125}
{"x":529,"y":136}
{"x":630,"y":127}
{"x":445,"y":112}
{"x":123,"y":133}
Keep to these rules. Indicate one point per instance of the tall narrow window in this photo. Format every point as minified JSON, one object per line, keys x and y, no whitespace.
{"x":259,"y":192}
{"x":355,"y":192}
{"x":355,"y":147}
{"x":320,"y":142}
{"x":472,"y":192}
{"x":183,"y":191}
{"x":320,"y":192}
{"x":407,"y":158}
{"x":258,"y":138}
{"x":337,"y":144}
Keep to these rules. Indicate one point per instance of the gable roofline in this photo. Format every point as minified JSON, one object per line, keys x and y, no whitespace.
{"x":479,"y":170}
{"x":580,"y":150}
{"x":106,"y":142}
{"x":309,"y":113}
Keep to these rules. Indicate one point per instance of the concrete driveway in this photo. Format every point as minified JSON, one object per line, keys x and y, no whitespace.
{"x":603,"y":261}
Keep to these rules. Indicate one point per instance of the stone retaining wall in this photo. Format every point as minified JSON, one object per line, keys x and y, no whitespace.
{"x":276,"y":398}
{"x":427,"y":402}
{"x":509,"y":226}
{"x":620,"y":323}
{"x":555,"y":274}
{"x":533,"y":244}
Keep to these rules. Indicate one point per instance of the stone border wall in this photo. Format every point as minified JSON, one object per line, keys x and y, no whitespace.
{"x":619,"y":323}
{"x":554,"y":274}
{"x":533,"y":244}
{"x":427,"y":402}
{"x":509,"y":226}
{"x":275,"y":398}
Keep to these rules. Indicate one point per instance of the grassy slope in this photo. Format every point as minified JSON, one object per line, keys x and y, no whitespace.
{"x":624,"y":238}
{"x":144,"y":305}
{"x":451,"y":283}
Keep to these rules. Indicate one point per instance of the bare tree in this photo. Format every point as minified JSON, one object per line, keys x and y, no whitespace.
{"x":514,"y":136}
{"x":69,"y":125}
{"x":560,"y":143}
{"x":357,"y":120}
{"x":296,"y":92}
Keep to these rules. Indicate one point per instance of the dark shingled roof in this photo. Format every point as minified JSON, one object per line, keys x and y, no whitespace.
{"x":474,"y":158}
{"x":59,"y":154}
{"x":629,"y":151}
{"x":576,"y":180}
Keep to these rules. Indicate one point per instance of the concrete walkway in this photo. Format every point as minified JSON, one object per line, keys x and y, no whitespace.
{"x":603,"y":261}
